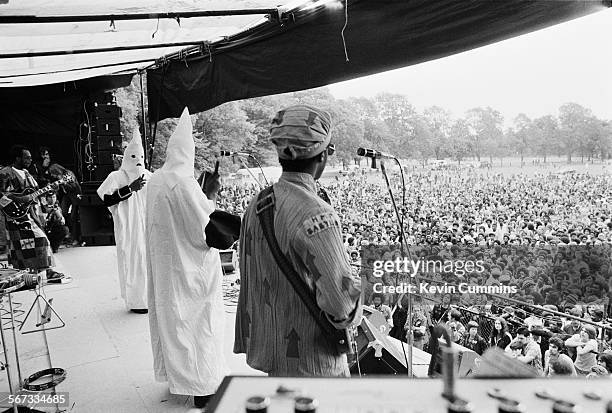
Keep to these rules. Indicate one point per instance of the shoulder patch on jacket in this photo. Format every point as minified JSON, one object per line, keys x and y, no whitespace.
{"x":320,"y":222}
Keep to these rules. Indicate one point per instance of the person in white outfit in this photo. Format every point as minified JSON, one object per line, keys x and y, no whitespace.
{"x":186,"y":315}
{"x":124,"y":194}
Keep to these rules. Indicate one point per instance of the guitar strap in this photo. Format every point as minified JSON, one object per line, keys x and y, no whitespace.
{"x":265,"y":212}
{"x":30,"y":182}
{"x":35,"y":211}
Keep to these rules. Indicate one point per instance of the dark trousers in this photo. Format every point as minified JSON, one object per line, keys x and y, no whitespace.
{"x":72,"y":219}
{"x":56,"y":234}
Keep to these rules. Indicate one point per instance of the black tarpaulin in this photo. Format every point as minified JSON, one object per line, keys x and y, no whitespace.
{"x":308,"y":52}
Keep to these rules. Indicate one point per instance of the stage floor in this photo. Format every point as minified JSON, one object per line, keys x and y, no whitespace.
{"x":104,"y":348}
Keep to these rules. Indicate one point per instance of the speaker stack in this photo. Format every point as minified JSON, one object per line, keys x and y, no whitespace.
{"x":104,"y":141}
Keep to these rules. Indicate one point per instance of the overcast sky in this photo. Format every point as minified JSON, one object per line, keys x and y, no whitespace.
{"x":533,"y":74}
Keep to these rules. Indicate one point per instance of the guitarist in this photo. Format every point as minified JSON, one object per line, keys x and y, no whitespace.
{"x":28,"y":245}
{"x":273,"y":326}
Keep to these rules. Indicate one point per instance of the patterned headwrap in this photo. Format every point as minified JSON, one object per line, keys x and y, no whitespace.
{"x":300,"y":132}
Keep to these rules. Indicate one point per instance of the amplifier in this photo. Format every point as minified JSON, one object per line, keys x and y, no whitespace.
{"x":103,"y":157}
{"x":96,"y":221}
{"x":106,"y":127}
{"x":107,"y":111}
{"x":108,"y":142}
{"x":98,"y":174}
{"x":90,"y":197}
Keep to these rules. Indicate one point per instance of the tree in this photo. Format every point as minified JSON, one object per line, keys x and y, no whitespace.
{"x":422,"y":143}
{"x":596,"y":138}
{"x":521,"y":135}
{"x":259,"y":112}
{"x":388,"y":122}
{"x":164,"y":130}
{"x":460,"y":140}
{"x":485,"y":131}
{"x":439,"y":125}
{"x":400,"y":118}
{"x":376,"y":133}
{"x":319,"y":97}
{"x":606,"y":143}
{"x":128,"y":99}
{"x":573,"y":122}
{"x":224,"y":127}
{"x":347,"y":131}
{"x":545,"y":132}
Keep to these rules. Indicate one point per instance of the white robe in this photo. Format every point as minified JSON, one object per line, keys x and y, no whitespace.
{"x":186,"y":314}
{"x":129,"y":225}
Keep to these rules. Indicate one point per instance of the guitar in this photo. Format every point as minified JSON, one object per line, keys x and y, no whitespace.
{"x":16,"y":210}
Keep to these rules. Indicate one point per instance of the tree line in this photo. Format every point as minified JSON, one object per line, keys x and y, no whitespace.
{"x":387,"y":122}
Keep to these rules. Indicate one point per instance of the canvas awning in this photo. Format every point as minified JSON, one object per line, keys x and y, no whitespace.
{"x":253,"y":41}
{"x":237,"y":49}
{"x":45,"y":41}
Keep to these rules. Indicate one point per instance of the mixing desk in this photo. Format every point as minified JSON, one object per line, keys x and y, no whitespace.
{"x":401,"y":395}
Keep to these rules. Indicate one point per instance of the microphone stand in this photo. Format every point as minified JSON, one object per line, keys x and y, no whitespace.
{"x":249,"y":170}
{"x":402,"y":251}
{"x":261,"y":169}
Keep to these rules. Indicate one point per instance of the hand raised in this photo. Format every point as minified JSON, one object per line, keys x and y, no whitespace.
{"x":212,"y":183}
{"x":138,"y":183}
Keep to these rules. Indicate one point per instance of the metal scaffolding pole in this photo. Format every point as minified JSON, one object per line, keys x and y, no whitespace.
{"x":16,"y":19}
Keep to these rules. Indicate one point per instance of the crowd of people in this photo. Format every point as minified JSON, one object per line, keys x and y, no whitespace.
{"x":551,"y":344}
{"x":470,"y":208}
{"x":475,"y":208}
{"x":548,"y":234}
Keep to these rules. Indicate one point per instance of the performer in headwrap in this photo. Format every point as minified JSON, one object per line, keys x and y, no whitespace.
{"x":186,"y":313}
{"x":273,"y":326}
{"x":124,"y":193}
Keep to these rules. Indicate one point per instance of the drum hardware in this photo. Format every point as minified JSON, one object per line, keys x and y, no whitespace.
{"x":45,"y":316}
{"x":11,"y":280}
{"x":57,"y":374}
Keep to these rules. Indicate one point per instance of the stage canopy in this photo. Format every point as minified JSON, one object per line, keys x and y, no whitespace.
{"x":46,"y":41}
{"x":201,"y":53}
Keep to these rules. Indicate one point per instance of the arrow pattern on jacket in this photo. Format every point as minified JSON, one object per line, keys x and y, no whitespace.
{"x":293,"y":350}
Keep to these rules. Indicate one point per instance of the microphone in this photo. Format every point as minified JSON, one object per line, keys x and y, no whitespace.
{"x":374,"y":154}
{"x":238,"y":155}
{"x":229,"y":153}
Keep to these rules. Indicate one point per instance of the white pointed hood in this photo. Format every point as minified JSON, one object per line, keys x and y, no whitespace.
{"x":133,"y":157}
{"x":180,"y":153}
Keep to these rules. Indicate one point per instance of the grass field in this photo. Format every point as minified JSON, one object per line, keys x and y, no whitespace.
{"x":554,"y":165}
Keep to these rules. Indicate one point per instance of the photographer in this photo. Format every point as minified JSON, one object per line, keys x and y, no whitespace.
{"x":55,"y":225}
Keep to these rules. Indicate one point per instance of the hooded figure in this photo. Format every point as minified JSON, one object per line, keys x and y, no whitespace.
{"x":186,"y":313}
{"x":124,"y":194}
